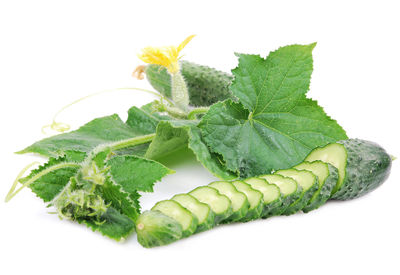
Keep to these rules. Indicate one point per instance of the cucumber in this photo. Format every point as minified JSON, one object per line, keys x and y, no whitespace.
{"x":255,"y":199}
{"x":362,"y":165}
{"x":288,"y":187}
{"x":205,"y":216}
{"x":271,"y":196}
{"x":240,"y":204}
{"x":206,"y":85}
{"x":153,"y":228}
{"x":309,"y":184}
{"x":176,"y":211}
{"x":220,"y":204}
{"x":327,"y":178}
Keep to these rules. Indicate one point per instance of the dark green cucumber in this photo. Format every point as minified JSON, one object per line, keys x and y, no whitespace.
{"x":327,"y":179}
{"x":177,"y":212}
{"x":153,"y":228}
{"x":255,"y":199}
{"x":363,"y":166}
{"x":220,"y":204}
{"x":240,"y":204}
{"x":288,"y":187}
{"x":271,"y":196}
{"x":309,"y":184}
{"x":206,"y":85}
{"x":205,"y":216}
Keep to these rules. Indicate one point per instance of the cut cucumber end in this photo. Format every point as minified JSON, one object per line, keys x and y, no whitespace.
{"x":202,"y":211}
{"x":220,"y":204}
{"x":176,"y":211}
{"x":153,"y":228}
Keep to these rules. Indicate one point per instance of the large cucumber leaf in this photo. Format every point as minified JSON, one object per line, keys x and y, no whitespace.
{"x":175,"y":134}
{"x":274,"y":125}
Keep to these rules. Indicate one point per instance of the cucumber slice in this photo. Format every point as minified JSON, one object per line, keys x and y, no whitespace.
{"x":309,"y":184}
{"x":288,"y":187}
{"x":255,"y":199}
{"x":327,"y":178}
{"x":362,"y":165}
{"x":176,"y":211}
{"x":220,"y":204}
{"x":240,"y":204}
{"x":153,"y":228}
{"x":205,"y":216}
{"x":271,"y":196}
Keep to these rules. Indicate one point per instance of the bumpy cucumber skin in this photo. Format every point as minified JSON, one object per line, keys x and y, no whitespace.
{"x":153,"y":228}
{"x":368,"y":166}
{"x":304,"y":198}
{"x":206,"y":85}
{"x":209,"y":221}
{"x":323,"y":194}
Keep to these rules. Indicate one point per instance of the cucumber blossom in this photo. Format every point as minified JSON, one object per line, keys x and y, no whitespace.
{"x":343,"y":170}
{"x":206,"y":85}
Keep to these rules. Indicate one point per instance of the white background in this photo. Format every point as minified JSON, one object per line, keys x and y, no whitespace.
{"x":53,"y":52}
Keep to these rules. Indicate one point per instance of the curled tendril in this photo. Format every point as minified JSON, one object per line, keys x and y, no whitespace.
{"x":64,"y":127}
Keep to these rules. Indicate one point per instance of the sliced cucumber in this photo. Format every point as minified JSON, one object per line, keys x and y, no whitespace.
{"x":327,"y":178}
{"x":309,"y":184}
{"x":288,"y":187}
{"x":220,"y":204}
{"x":271,"y":196}
{"x":240,"y":204}
{"x":362,"y":165}
{"x":255,"y":199}
{"x":176,"y":211}
{"x":153,"y":228}
{"x":202,"y":211}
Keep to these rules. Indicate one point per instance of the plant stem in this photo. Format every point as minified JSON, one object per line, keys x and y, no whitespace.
{"x":200,"y":110}
{"x":132,"y":141}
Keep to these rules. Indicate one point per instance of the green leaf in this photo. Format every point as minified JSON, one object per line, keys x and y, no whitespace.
{"x":50,"y":184}
{"x":274,"y":125}
{"x":98,"y":131}
{"x":116,"y":226}
{"x":175,"y":134}
{"x":136,"y":174}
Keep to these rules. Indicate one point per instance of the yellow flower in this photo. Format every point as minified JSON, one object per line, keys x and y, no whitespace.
{"x":167,"y":56}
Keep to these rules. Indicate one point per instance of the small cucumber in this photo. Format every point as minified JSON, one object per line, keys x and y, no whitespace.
{"x":271,"y":196}
{"x":363,"y":166}
{"x":153,"y":228}
{"x":327,"y":179}
{"x":288,"y":187}
{"x":220,"y":204}
{"x":255,"y":199}
{"x":206,"y":85}
{"x":309,"y":184}
{"x":176,"y":211}
{"x":240,"y":204}
{"x":202,"y":211}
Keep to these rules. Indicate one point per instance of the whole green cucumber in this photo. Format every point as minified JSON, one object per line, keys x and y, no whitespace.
{"x":206,"y":85}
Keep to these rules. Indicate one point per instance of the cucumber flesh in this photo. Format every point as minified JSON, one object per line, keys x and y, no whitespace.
{"x":240,"y":204}
{"x":220,"y":204}
{"x":202,"y":211}
{"x":309,"y":184}
{"x":271,"y":196}
{"x":255,"y":199}
{"x":176,"y":211}
{"x":327,"y":178}
{"x":334,"y":154}
{"x":153,"y":228}
{"x":288,"y":187}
